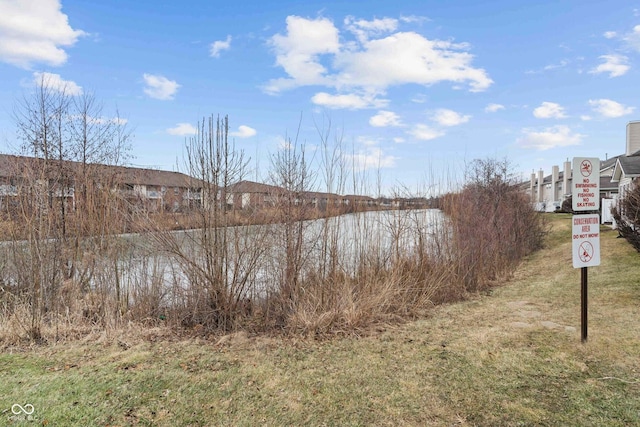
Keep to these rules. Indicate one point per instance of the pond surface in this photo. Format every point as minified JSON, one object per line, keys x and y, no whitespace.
{"x":255,"y":257}
{"x":252,"y":259}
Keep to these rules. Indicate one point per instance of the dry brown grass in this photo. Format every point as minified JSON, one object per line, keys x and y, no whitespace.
{"x":512,"y":357}
{"x":292,"y":276}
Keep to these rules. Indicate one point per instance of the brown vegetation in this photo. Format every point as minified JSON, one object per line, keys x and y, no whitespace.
{"x":338,"y":274}
{"x":494,"y":225}
{"x":627,"y":216}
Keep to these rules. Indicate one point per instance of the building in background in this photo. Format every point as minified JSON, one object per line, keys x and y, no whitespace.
{"x":618,"y":175}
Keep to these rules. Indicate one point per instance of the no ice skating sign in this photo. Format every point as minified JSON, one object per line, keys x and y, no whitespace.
{"x":586,"y":240}
{"x":585,"y":184}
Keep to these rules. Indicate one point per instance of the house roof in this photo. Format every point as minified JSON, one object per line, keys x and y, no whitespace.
{"x":321,"y":195}
{"x":357,"y":197}
{"x":606,"y":184}
{"x":142,"y":176}
{"x":609,"y":163}
{"x":12,"y":166}
{"x":628,"y":166}
{"x":245,"y":186}
{"x":257,"y":187}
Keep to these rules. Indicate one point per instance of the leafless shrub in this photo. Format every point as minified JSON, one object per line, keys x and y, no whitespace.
{"x":627,"y":216}
{"x":55,"y":233}
{"x":290,"y":171}
{"x":219,"y":262}
{"x":493,"y":225}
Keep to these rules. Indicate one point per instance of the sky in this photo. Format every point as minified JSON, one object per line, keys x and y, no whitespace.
{"x":413,"y":90}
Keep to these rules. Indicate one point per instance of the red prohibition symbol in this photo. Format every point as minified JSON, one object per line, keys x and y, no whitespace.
{"x":585,"y":168}
{"x":586,"y":251}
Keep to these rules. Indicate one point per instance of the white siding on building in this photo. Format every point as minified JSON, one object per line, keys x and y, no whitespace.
{"x":633,"y":137}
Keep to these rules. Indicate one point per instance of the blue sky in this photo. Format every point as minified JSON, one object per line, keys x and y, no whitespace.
{"x":412,"y":88}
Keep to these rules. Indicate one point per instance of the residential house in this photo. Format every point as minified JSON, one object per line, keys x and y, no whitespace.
{"x":608,"y":189}
{"x":324,"y":201}
{"x":618,"y":175}
{"x":249,"y":194}
{"x":148,"y":189}
{"x":548,"y":192}
{"x":158,"y":190}
{"x":627,"y":167}
{"x":355,"y":201}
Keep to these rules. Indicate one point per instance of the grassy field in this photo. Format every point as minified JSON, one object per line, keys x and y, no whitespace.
{"x":512,"y":357}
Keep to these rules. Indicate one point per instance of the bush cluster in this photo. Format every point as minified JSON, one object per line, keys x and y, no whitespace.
{"x":493,"y":224}
{"x":627,"y":216}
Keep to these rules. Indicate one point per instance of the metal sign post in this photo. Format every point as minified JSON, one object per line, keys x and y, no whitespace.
{"x":586,"y":253}
{"x":585,"y":193}
{"x":583,"y":303}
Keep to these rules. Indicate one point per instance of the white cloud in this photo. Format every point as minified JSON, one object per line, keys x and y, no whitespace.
{"x":609,"y":108}
{"x":425,"y":133}
{"x":419,"y":98}
{"x":556,"y":136}
{"x":119,"y":121}
{"x":404,"y":58}
{"x":244,"y":132}
{"x":283,"y":143}
{"x":182,"y":129}
{"x":585,"y":118}
{"x":563,"y":63}
{"x":370,"y":158}
{"x":218,"y":46}
{"x":363,"y":29}
{"x":610,"y":34}
{"x":615,"y":65}
{"x":349,"y":101}
{"x":445,"y":117}
{"x":368,"y":141}
{"x":34,"y":31}
{"x":384,"y":119}
{"x":633,"y":38}
{"x":549,"y":110}
{"x":56,"y":83}
{"x":311,"y":53}
{"x":398,"y":140}
{"x":414,"y":18}
{"x":101,"y":120}
{"x":159,"y":87}
{"x":297,"y":52}
{"x":493,"y":108}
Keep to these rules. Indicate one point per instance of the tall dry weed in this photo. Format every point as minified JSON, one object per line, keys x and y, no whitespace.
{"x":335,"y":274}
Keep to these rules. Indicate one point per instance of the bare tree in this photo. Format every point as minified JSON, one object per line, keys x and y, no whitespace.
{"x":291,"y":172}
{"x":334,"y":174}
{"x":219,"y":261}
{"x":56,"y":130}
{"x":41,"y":128}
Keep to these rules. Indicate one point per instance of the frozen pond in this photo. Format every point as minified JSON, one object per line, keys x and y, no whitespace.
{"x":255,"y":256}
{"x":248,"y":260}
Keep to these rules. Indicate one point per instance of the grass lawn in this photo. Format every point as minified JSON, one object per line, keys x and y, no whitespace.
{"x":509,"y":358}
